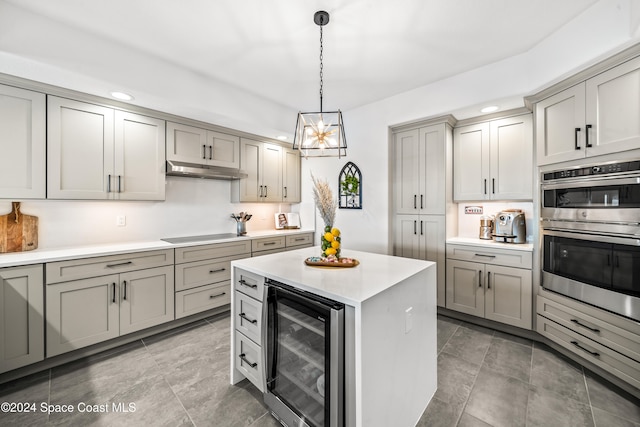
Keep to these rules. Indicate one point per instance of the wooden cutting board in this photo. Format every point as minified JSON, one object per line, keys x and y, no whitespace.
{"x":18,"y":232}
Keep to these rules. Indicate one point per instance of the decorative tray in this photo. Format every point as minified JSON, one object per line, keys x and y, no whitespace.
{"x":315,"y":261}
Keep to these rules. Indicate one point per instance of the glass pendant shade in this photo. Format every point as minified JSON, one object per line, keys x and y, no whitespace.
{"x":320,"y":134}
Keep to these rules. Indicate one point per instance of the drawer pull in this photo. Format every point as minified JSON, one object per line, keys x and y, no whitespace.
{"x":593,"y":353}
{"x":299,"y":239}
{"x":216,"y":296}
{"x":486,"y":256}
{"x":269,"y":243}
{"x":220,"y":270}
{"x":244,"y":359}
{"x":249,"y":285}
{"x":577,"y":322}
{"x":119,"y":264}
{"x":244,"y":316}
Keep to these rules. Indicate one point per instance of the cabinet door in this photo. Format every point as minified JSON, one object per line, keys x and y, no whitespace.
{"x":139,"y":157}
{"x":560,"y":131}
{"x":471,"y":162}
{"x":465,"y":287}
{"x":22,"y":320}
{"x":79,"y":150}
{"x":186,"y":143}
{"x":432,"y":170}
{"x":508,"y":296}
{"x":511,"y":153}
{"x":146,"y":298}
{"x":223,"y":150}
{"x":248,"y":189}
{"x":291,"y":176}
{"x":271,"y":172}
{"x":407,"y":237}
{"x":407,"y":172}
{"x":81,"y":313}
{"x":613,"y":109}
{"x":433,"y":248}
{"x":22,"y":144}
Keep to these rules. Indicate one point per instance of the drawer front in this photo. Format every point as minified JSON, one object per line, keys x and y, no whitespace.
{"x":216,"y":250}
{"x":201,"y":273}
{"x":203,"y":298}
{"x":619,"y":339}
{"x":248,"y":314}
{"x":299,"y":240}
{"x":249,"y":360}
{"x":621,"y":366}
{"x":519,"y":259}
{"x":249,"y":283}
{"x":62,"y":271}
{"x":268,"y":243}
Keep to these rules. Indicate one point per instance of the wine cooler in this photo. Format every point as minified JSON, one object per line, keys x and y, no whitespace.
{"x":304,"y":354}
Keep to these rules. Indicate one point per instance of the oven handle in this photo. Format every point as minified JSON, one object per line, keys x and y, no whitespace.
{"x":591,"y":182}
{"x":591,"y":236}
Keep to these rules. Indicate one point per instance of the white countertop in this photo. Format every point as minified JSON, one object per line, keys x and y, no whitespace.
{"x":352,"y":286}
{"x":60,"y":254}
{"x":491,"y":244}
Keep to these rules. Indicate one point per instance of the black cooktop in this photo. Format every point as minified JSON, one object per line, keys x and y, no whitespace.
{"x":203,"y":238}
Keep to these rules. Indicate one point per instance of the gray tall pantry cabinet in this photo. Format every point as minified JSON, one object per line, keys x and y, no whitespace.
{"x":421,"y":163}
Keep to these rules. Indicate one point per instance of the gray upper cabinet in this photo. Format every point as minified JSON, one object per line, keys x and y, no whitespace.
{"x":595,"y":117}
{"x":494,"y":160}
{"x":291,"y":176}
{"x":22,"y":144}
{"x":191,"y":144}
{"x":263,"y":162}
{"x":98,"y":153}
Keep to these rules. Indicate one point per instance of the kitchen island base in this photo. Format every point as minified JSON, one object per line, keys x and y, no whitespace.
{"x":390,"y":366}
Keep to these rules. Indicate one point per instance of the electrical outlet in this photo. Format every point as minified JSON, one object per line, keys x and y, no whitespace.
{"x":121,"y":220}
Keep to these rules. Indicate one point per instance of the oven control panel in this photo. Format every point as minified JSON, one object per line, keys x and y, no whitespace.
{"x":586,"y":171}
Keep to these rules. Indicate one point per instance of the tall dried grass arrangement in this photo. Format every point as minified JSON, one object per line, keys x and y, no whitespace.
{"x":325,"y":202}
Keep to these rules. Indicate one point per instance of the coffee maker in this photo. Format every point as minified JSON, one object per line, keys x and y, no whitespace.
{"x":486,"y":227}
{"x":510,"y":227}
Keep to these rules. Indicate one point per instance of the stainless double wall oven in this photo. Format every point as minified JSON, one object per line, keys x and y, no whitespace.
{"x":590,"y":218}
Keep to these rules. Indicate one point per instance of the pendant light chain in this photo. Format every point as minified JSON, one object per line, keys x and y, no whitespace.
{"x":321,"y":67}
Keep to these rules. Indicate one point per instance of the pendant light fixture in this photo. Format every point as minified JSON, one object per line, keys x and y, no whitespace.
{"x":320,"y":134}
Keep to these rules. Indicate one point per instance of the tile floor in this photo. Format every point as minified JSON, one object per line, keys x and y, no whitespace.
{"x":181,"y":377}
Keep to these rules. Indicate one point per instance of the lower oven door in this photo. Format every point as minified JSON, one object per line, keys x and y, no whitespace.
{"x":600,"y":270}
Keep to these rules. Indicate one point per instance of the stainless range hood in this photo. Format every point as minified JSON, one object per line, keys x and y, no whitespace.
{"x":195,"y":170}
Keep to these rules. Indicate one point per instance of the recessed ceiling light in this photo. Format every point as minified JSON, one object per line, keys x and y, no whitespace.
{"x":282,"y":137}
{"x":489,"y":109}
{"x":121,"y":95}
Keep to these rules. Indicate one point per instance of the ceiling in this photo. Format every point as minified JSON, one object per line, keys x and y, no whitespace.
{"x":373,"y":49}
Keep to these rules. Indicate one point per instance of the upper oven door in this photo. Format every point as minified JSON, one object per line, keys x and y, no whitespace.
{"x":614,"y":200}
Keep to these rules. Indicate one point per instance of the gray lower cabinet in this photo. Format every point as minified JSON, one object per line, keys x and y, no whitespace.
{"x":22,"y":320}
{"x":477,"y":285}
{"x":96,"y":307}
{"x":203,"y":275}
{"x":273,"y":245}
{"x":608,"y":341}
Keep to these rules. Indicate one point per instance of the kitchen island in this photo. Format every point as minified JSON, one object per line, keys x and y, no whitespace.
{"x":390,"y":328}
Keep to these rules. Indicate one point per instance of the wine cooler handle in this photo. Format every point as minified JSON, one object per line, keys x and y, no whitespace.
{"x":244,"y":316}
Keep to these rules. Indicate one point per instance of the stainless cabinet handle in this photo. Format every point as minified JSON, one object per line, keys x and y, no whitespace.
{"x":119,"y":184}
{"x":113,"y":288}
{"x":593,"y":353}
{"x":486,"y":256}
{"x":479,"y":278}
{"x":216,"y":296}
{"x":244,"y":316}
{"x":244,"y":359}
{"x":220,"y":270}
{"x":119,"y":264}
{"x":265,"y":191}
{"x":249,"y":285}
{"x":586,"y":136}
{"x":108,"y":183}
{"x":260,"y":195}
{"x":577,"y":322}
{"x":285,"y":192}
{"x":124,"y":296}
{"x":576,"y":138}
{"x":204,"y":151}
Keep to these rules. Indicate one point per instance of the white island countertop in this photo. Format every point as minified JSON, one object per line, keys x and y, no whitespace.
{"x":349,"y":285}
